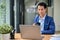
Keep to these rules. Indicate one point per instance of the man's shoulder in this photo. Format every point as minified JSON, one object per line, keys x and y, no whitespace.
{"x":37,"y":16}
{"x":49,"y":17}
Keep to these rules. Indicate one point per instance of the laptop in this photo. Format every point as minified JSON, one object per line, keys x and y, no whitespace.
{"x":30,"y":32}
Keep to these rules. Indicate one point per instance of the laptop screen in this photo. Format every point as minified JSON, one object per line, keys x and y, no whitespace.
{"x":30,"y":32}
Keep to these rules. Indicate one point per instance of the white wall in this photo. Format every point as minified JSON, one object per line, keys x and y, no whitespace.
{"x":50,"y":11}
{"x":57,"y":14}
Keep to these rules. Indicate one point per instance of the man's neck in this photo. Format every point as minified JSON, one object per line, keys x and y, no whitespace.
{"x":41,"y":16}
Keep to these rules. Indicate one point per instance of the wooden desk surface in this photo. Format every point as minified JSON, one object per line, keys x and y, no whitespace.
{"x":18,"y":37}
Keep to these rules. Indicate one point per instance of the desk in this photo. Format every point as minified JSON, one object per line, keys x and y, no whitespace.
{"x":18,"y":37}
{"x":46,"y":37}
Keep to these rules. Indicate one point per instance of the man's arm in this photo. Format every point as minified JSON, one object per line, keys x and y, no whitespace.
{"x":35,"y":20}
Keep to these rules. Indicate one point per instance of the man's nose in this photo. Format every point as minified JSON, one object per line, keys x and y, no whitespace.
{"x":40,"y":10}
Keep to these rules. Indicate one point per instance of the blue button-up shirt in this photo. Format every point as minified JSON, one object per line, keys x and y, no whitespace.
{"x":41,"y":21}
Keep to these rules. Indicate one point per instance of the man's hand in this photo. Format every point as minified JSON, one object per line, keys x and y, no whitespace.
{"x":34,"y":24}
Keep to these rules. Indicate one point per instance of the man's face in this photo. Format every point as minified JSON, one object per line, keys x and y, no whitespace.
{"x":41,"y":10}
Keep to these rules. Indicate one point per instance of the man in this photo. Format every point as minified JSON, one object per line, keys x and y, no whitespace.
{"x":45,"y":22}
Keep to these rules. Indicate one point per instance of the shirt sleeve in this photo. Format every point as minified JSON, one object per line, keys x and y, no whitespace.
{"x":35,"y":19}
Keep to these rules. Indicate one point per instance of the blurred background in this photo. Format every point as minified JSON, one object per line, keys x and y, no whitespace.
{"x":17,"y":12}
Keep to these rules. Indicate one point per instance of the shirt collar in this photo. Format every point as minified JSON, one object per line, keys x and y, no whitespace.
{"x":43,"y":17}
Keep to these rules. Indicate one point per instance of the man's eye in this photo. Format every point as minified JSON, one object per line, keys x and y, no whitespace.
{"x":39,"y":9}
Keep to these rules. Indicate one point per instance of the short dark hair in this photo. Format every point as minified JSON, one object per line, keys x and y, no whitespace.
{"x":42,"y":4}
